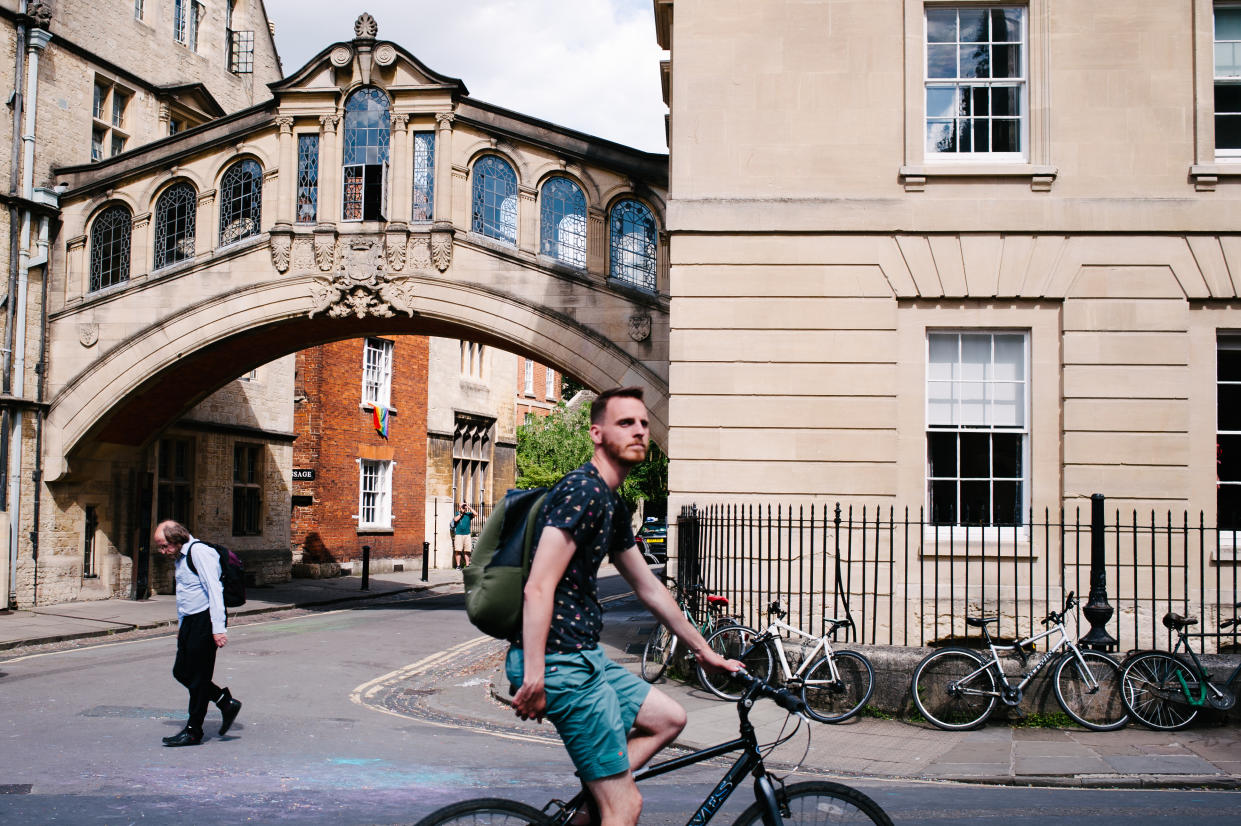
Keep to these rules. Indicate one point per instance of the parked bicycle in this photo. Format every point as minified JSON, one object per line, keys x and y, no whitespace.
{"x":775,"y":803}
{"x":1164,"y":692}
{"x":957,"y":688}
{"x":834,"y":686}
{"x":661,"y":644}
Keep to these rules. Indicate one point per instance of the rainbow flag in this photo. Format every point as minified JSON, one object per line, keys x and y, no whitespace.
{"x":381,"y":419}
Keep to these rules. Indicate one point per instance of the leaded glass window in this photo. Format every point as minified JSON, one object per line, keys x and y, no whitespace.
{"x":494,"y":211}
{"x":633,"y":244}
{"x":424,"y":177}
{"x":562,"y":217}
{"x":179,"y":20}
{"x":241,"y":201}
{"x":175,"y":213}
{"x":109,"y":247}
{"x":307,"y":178}
{"x":368,"y":129}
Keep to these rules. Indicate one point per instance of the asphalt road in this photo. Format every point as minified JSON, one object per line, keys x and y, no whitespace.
{"x":80,"y":728}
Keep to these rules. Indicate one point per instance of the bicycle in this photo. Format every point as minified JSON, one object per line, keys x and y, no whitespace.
{"x":956,"y":688}
{"x":834,"y":687}
{"x":1164,"y":692}
{"x":774,"y":804}
{"x":661,"y":643}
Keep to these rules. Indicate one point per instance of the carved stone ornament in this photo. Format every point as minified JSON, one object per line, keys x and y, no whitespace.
{"x":441,"y":250}
{"x":303,"y":257}
{"x":285,"y":122}
{"x":394,"y":247}
{"x":281,"y":249}
{"x":640,"y":327}
{"x":41,"y":12}
{"x":365,"y":26}
{"x":88,"y":334}
{"x":419,"y":253}
{"x":378,"y":294}
{"x":385,"y":54}
{"x":325,"y":252}
{"x":341,"y":56}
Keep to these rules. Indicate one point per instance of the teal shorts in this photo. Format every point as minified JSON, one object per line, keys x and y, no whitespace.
{"x":593,"y":703}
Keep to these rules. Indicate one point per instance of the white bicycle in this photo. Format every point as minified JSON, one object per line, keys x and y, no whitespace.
{"x":834,"y":686}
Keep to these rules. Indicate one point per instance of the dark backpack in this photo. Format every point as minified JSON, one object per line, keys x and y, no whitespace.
{"x":232,"y":574}
{"x":500,"y":563}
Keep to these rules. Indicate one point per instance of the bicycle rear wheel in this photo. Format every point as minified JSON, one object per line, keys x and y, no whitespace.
{"x":657,"y":652}
{"x":947,"y":695}
{"x":485,"y":811}
{"x":735,"y":642}
{"x":1152,"y":690}
{"x":819,"y":801}
{"x":834,"y":701}
{"x":1092,"y":699}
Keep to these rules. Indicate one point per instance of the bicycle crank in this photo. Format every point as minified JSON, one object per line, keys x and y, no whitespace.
{"x":1220,"y":698}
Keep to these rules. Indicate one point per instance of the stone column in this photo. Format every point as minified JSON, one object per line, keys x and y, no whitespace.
{"x":77,"y":268}
{"x":286,"y":179}
{"x":401,"y":175}
{"x":329,"y":171}
{"x":141,"y":246}
{"x":596,"y":242}
{"x":206,"y":229}
{"x":527,"y":226}
{"x":444,"y":173}
{"x":460,"y":200}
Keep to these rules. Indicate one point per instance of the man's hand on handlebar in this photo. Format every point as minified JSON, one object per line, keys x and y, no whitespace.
{"x":712,"y":661}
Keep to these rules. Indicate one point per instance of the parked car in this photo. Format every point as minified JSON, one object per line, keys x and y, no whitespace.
{"x":653,"y":539}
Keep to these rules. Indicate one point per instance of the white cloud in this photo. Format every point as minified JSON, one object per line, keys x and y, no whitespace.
{"x":590,"y":65}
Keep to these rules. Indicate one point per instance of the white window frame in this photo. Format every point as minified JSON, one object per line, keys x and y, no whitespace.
{"x":1228,"y":538}
{"x":377,"y":372}
{"x":375,"y":500}
{"x":992,"y":531}
{"x":1228,"y":155}
{"x":550,"y":382}
{"x":529,"y":391}
{"x":180,"y":20}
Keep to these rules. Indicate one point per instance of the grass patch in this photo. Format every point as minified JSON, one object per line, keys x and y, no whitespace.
{"x":1054,"y":719}
{"x":876,"y":713}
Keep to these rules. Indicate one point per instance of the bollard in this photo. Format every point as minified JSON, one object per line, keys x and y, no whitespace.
{"x":1097,"y":609}
{"x":366,"y":567}
{"x":426,"y":561}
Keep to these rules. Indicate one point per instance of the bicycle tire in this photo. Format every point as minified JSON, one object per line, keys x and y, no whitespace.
{"x":1152,"y":692}
{"x":834,"y":701}
{"x":732,"y":642}
{"x":484,"y":811}
{"x":1100,"y":708}
{"x":819,"y":801}
{"x":946,"y":707}
{"x":657,"y":653}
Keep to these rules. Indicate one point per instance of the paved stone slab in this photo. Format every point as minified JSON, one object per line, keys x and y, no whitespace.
{"x":1045,"y":748}
{"x":1161,"y":764}
{"x":1053,"y":765}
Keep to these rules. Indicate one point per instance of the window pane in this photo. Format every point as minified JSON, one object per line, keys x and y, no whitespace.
{"x":424,"y":176}
{"x":980,"y":136}
{"x":1006,"y":61}
{"x":1228,"y":23}
{"x":941,"y":450}
{"x":1006,"y":455}
{"x":1006,"y":25}
{"x":1228,"y":363}
{"x":1228,"y":458}
{"x":939,"y":403}
{"x":940,"y":136}
{"x":941,"y":25}
{"x":975,"y":503}
{"x":1005,"y":100}
{"x":1227,"y":60}
{"x":1228,"y":131}
{"x":973,"y":25}
{"x":975,"y":356}
{"x":1228,"y":97}
{"x":979,"y":101}
{"x":307,"y":178}
{"x":975,"y":455}
{"x":941,"y":61}
{"x":1005,"y":136}
{"x":941,"y":101}
{"x":633,"y":244}
{"x":175,"y":215}
{"x":1006,"y":506}
{"x":1229,"y":407}
{"x":975,"y":61}
{"x":494,"y":185}
{"x":562,"y":216}
{"x":943,"y":503}
{"x":1007,"y":404}
{"x":1228,"y":505}
{"x":1010,"y":358}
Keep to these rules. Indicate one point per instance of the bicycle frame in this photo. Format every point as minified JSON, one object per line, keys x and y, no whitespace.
{"x":1052,"y":652}
{"x":1203,"y":676}
{"x":772,"y":632}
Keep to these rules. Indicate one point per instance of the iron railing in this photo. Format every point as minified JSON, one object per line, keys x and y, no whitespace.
{"x":905,"y":581}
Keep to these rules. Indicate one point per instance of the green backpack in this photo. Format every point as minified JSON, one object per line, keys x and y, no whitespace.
{"x":500,"y":564}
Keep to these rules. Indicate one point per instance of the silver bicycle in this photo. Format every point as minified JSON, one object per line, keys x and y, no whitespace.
{"x":834,"y":686}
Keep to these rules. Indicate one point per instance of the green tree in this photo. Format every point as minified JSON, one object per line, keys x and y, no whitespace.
{"x":551,"y":446}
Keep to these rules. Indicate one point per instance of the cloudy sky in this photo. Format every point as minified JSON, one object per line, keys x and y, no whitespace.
{"x":591,"y":65}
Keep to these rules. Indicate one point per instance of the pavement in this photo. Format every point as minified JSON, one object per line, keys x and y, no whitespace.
{"x":475,"y":693}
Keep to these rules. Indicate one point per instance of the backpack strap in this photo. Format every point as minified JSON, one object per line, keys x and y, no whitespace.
{"x":527,"y":554}
{"x":189,"y":555}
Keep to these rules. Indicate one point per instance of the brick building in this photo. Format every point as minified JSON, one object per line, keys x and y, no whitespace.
{"x":538,"y":389}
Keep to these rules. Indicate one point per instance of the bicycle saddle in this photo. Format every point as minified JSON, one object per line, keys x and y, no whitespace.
{"x":717,"y":600}
{"x":1177,"y":622}
{"x":979,"y":622}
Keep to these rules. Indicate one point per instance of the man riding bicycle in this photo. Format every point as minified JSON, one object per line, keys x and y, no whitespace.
{"x":611,"y":721}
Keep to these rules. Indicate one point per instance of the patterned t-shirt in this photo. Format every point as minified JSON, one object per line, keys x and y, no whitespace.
{"x":583,"y":504}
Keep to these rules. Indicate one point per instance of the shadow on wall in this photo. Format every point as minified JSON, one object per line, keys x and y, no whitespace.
{"x":314,"y":551}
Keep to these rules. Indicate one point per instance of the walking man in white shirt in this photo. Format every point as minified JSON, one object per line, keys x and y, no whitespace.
{"x":201,"y":629}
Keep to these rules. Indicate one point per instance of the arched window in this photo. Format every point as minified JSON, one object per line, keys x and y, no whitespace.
{"x":109,"y":247}
{"x":562,"y":218}
{"x":367,"y":132}
{"x":174,"y":225}
{"x":494,"y":211}
{"x":633,"y":244}
{"x":241,"y":201}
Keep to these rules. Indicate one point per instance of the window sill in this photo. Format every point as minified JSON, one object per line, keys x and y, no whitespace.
{"x":366,"y":407}
{"x":1206,"y":175}
{"x":953,"y":541}
{"x":914,"y":177}
{"x":375,"y":530}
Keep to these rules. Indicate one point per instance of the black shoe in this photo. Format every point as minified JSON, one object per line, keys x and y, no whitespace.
{"x":185,"y":737}
{"x":229,"y":709}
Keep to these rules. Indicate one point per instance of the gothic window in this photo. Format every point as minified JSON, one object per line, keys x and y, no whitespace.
{"x":241,"y":201}
{"x":247,"y":490}
{"x":174,"y":225}
{"x":494,"y":211}
{"x":471,"y":458}
{"x":367,"y":133}
{"x":562,"y":217}
{"x":633,"y":244}
{"x":307,"y":178}
{"x":424,"y":177}
{"x":109,"y":247}
{"x":175,"y":481}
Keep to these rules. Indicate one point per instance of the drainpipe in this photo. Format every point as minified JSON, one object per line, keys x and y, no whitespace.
{"x":39,"y":39}
{"x":41,"y":260}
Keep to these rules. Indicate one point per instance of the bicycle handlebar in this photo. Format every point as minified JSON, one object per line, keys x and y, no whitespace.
{"x":1058,"y":616}
{"x":780,"y":696}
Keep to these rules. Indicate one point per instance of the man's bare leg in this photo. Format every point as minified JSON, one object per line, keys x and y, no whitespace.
{"x":659,"y":721}
{"x":618,"y":798}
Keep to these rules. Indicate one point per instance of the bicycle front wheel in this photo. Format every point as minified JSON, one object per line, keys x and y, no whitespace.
{"x":1091,"y":695}
{"x":657,"y":652}
{"x":819,"y":801}
{"x":1154,"y":689}
{"x":953,"y":690}
{"x":485,"y":811}
{"x":735,"y":642}
{"x":834,"y":701}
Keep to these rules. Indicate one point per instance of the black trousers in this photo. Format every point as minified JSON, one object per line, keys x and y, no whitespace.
{"x":195,"y":665}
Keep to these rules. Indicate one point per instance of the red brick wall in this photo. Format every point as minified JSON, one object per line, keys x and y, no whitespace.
{"x":537,"y":403}
{"x":334,"y":431}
